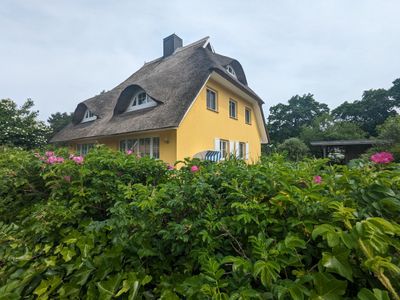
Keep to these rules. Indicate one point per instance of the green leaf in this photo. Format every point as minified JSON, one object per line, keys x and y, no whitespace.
{"x":67,"y":253}
{"x":268,"y":271}
{"x":327,"y":287}
{"x":42,"y":288}
{"x":328,"y":232}
{"x":338,"y":263}
{"x":377,"y":294}
{"x":134,"y":291}
{"x":292,"y":241}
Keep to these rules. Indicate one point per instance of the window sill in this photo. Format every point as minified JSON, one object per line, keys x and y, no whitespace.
{"x":234,"y":118}
{"x":213,"y":110}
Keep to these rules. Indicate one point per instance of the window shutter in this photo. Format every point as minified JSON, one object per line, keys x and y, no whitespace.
{"x":237,"y":144}
{"x":247,"y":151}
{"x":232,"y":148}
{"x":217,"y":146}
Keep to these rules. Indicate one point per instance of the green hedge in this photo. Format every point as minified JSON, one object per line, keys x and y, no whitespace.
{"x":120,"y":227}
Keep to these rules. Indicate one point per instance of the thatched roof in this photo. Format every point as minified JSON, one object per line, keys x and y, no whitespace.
{"x":172,"y":81}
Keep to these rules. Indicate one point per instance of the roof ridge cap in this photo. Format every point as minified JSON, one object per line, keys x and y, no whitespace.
{"x":205,"y":39}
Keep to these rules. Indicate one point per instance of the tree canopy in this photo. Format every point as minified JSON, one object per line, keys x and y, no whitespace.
{"x":372,"y":110}
{"x":58,"y":121}
{"x":308,"y":119}
{"x":19,"y":126}
{"x":325,"y":128}
{"x":286,"y":120}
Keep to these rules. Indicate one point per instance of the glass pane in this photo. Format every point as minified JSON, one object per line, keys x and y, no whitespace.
{"x":147,"y":146}
{"x":129,"y":144}
{"x":156,"y":147}
{"x":141,"y":147}
{"x":135,"y":146}
{"x":211,"y":100}
{"x":142,"y":98}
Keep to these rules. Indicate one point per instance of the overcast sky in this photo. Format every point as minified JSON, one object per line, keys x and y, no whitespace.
{"x":60,"y":53}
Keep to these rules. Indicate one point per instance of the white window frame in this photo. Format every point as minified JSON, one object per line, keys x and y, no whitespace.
{"x":215,"y":100}
{"x":241,"y":153}
{"x":136,"y":145}
{"x":88,"y":116}
{"x":83,"y":149}
{"x":236,"y":109}
{"x":247,"y":109}
{"x":231,"y":71}
{"x":221,"y":143}
{"x":133,"y":105}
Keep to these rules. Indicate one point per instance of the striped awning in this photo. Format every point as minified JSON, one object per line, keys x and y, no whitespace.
{"x":213,"y":155}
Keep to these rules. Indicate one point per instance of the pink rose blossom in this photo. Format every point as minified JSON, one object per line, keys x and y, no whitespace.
{"x":54,"y":159}
{"x":129,"y":152}
{"x":169,"y":167}
{"x":382,"y":157}
{"x":51,"y":160}
{"x":49,"y":153}
{"x":317,"y":179}
{"x":71,"y":156}
{"x":67,"y":178}
{"x":78,"y":160}
{"x":194,"y":169}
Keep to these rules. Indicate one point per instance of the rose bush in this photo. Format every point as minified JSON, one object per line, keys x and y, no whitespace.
{"x":115,"y":226}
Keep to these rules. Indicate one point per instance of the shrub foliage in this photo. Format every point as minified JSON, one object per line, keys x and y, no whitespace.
{"x":120,"y":227}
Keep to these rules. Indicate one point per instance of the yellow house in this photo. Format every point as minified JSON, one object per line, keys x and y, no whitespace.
{"x":191,"y":102}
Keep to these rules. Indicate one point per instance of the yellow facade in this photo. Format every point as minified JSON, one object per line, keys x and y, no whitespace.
{"x":200,"y":128}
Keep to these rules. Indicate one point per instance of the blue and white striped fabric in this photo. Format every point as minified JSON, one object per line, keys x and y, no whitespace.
{"x":213,"y":155}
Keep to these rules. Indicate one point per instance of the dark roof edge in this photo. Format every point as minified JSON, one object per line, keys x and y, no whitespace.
{"x":115,"y":134}
{"x":350,"y":142}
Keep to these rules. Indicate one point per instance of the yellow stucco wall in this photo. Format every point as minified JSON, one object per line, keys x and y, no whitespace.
{"x":167,"y":143}
{"x":200,"y":127}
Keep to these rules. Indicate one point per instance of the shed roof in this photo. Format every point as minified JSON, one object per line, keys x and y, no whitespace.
{"x":350,"y":142}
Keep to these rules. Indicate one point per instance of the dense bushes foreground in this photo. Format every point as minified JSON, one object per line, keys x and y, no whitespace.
{"x":116,"y":226}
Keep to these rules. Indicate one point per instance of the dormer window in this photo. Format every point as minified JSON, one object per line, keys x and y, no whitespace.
{"x":141,"y":100}
{"x":88,"y":116}
{"x":231,"y":71}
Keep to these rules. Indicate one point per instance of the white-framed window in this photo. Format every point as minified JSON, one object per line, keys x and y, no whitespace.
{"x":139,"y":101}
{"x":232,"y":109}
{"x":144,"y":146}
{"x":224,"y":148}
{"x":88,"y":116}
{"x":231,"y":70}
{"x":212,"y":100}
{"x":241,"y":151}
{"x":247,"y":115}
{"x":83,"y":149}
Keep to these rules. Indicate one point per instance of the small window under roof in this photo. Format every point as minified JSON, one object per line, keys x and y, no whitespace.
{"x":88,"y":116}
{"x":231,"y":70}
{"x":140,"y":100}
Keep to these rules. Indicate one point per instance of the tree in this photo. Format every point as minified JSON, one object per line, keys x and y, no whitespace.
{"x":285,"y":121}
{"x":20,"y":126}
{"x":372,"y":110}
{"x":390,"y":130}
{"x":394,"y":92}
{"x":294,"y":148}
{"x":58,"y":121}
{"x":324,"y":128}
